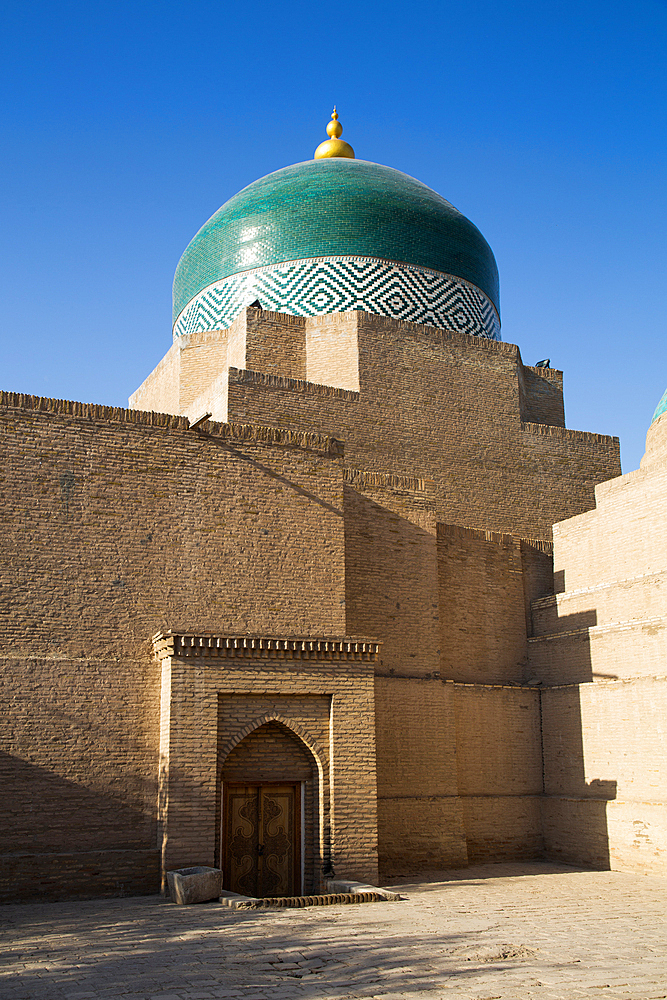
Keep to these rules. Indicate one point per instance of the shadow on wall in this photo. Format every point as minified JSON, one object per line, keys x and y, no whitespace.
{"x":574,"y":807}
{"x":84,"y":842}
{"x":391,"y":582}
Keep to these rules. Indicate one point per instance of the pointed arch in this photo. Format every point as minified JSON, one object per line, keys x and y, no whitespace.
{"x":318,"y":754}
{"x":266,"y":765}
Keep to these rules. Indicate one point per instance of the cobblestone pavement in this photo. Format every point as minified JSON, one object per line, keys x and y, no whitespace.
{"x":495,"y":932}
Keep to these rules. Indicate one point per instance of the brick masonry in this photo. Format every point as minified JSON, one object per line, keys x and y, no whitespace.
{"x":461,"y":411}
{"x":117,"y":525}
{"x":428,"y":531}
{"x":321,"y":690}
{"x":599,"y":645}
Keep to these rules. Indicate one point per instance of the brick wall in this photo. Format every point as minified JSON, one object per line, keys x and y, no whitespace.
{"x":275,"y":343}
{"x":482,"y":606}
{"x":191,"y":378}
{"x":78,"y":771}
{"x":459,"y":774}
{"x":419,"y":814}
{"x":454,"y":761}
{"x":332,"y":354}
{"x":391,"y":570}
{"x":448,"y":408}
{"x":117,"y":525}
{"x":460,"y":410}
{"x":605,"y":767}
{"x":604,"y":638}
{"x":541,"y":395}
{"x":121,"y":524}
{"x":499,"y":771}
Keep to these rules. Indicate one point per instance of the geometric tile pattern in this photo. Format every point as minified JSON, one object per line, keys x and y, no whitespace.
{"x":321,"y":285}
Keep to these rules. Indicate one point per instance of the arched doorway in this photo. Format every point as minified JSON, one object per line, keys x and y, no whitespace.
{"x":270,"y":823}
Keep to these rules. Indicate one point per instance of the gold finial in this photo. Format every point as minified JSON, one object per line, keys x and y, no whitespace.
{"x":334,"y":145}
{"x":334,"y":128}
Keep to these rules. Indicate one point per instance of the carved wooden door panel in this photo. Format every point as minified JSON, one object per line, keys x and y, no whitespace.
{"x":262,"y":839}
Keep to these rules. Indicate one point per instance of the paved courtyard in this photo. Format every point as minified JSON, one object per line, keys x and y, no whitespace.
{"x":495,"y":932}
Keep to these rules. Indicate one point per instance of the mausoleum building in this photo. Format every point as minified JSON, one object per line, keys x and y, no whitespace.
{"x":294,"y":612}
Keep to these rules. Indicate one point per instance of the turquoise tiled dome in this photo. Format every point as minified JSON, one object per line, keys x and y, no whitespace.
{"x":661,"y":407}
{"x":332,"y":209}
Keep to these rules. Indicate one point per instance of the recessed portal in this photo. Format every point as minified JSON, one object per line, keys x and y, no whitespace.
{"x":270,"y":828}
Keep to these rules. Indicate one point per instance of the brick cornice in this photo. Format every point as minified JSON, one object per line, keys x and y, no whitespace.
{"x":249,"y":647}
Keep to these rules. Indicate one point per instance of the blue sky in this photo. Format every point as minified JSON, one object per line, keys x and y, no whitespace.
{"x":124,"y":126}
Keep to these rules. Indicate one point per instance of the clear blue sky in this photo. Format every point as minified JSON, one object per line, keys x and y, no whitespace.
{"x":124,"y":126}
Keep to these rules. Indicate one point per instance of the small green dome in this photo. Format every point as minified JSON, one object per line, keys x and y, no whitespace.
{"x":331,"y":208}
{"x":661,"y":407}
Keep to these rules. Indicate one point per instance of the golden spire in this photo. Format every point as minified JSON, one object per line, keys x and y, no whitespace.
{"x":334,"y":146}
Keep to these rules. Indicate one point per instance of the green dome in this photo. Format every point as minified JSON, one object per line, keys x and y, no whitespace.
{"x":331,"y":208}
{"x":661,"y":407}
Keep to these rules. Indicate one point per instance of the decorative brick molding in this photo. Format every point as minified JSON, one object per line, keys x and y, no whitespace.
{"x":565,"y":433}
{"x":91,"y":411}
{"x":264,"y":647}
{"x":304,"y":440}
{"x":384,"y":480}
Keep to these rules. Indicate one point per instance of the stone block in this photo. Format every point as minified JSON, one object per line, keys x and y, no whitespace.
{"x":194,"y":885}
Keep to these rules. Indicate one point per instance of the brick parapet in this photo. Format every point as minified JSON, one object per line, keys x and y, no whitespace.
{"x":91,"y":411}
{"x":566,"y":434}
{"x":382,"y":324}
{"x":240,"y":432}
{"x":286,"y":384}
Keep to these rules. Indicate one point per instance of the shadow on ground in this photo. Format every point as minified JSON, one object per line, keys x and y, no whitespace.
{"x":145,"y":947}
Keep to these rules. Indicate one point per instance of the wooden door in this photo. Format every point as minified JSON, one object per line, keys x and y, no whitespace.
{"x":262,"y":839}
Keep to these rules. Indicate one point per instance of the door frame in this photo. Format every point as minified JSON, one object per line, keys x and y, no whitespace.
{"x":299,"y":825}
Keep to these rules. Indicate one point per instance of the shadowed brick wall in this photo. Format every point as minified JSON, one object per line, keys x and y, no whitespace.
{"x":482,"y":606}
{"x":499,"y":768}
{"x":391,"y":569}
{"x":420,"y":822}
{"x":78,"y":773}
